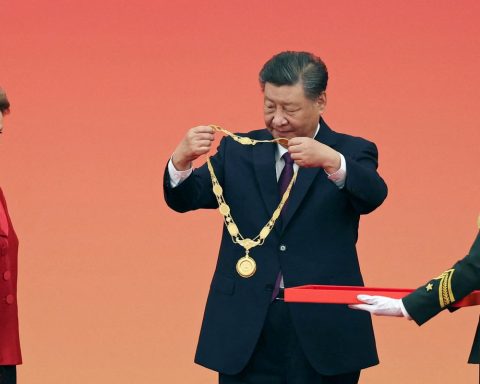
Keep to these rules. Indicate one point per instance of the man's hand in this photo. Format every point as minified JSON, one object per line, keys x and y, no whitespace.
{"x":379,"y":305}
{"x":307,"y":152}
{"x":196,"y":142}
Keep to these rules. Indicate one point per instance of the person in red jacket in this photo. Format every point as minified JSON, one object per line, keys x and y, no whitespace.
{"x":10,"y":355}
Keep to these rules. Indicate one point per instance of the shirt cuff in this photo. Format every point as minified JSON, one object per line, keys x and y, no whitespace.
{"x":177,"y":177}
{"x":404,"y":311}
{"x":340,"y":175}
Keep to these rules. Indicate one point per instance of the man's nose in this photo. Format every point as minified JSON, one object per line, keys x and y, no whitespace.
{"x":279,"y":119}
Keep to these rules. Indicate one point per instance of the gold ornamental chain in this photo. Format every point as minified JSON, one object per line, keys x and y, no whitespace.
{"x":246,"y":265}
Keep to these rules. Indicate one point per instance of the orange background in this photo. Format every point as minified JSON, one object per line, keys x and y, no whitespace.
{"x":112,"y":283}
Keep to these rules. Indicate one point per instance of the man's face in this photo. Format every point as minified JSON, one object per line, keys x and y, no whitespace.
{"x":289,"y":113}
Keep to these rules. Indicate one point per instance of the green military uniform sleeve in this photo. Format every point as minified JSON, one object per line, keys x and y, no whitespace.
{"x":449,"y":287}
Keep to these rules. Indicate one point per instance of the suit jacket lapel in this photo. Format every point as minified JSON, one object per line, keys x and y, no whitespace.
{"x":306,"y":176}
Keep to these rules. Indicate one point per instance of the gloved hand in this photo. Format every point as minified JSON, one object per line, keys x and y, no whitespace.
{"x":381,"y":306}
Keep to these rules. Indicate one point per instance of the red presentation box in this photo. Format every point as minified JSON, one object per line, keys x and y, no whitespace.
{"x":340,"y":294}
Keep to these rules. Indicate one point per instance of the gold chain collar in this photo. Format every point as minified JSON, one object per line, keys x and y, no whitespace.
{"x":246,"y":265}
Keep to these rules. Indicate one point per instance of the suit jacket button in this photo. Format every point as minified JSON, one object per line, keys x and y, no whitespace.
{"x":283,"y":248}
{"x":7,"y":275}
{"x":9,"y":299}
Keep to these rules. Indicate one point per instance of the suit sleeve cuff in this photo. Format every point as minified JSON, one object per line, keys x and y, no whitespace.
{"x":404,"y":311}
{"x":177,"y":177}
{"x":339,"y":177}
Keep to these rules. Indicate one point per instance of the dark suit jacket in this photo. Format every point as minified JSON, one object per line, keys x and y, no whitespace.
{"x":315,"y":244}
{"x":9,"y":340}
{"x":460,"y":280}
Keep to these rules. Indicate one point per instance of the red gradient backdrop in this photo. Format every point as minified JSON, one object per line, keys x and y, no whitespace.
{"x":112,"y":283}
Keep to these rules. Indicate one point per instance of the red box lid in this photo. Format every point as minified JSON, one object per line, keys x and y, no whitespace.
{"x":342,"y":294}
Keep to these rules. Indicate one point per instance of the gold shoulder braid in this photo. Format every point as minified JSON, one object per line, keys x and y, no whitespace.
{"x":246,"y":265}
{"x":445,"y":293}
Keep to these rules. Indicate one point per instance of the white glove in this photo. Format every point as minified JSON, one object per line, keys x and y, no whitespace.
{"x":381,"y":306}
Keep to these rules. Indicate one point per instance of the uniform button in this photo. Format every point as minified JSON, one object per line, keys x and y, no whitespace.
{"x":7,"y":275}
{"x":283,"y":248}
{"x":9,"y":299}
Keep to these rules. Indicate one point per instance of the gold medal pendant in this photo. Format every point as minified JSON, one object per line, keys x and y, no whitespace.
{"x":246,"y":266}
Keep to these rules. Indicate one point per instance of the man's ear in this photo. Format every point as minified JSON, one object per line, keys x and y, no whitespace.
{"x":321,"y":102}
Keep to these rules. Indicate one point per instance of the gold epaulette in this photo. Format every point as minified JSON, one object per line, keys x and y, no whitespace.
{"x":445,"y":293}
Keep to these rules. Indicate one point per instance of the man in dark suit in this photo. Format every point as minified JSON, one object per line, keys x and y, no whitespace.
{"x":435,"y":296}
{"x":249,"y":334}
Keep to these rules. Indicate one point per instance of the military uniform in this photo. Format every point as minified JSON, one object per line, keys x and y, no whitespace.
{"x":451,"y":286}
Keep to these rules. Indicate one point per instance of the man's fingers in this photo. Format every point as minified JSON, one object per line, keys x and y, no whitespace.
{"x":195,"y":135}
{"x":296,"y":141}
{"x":203,"y":147}
{"x":204,"y":136}
{"x":294,"y":147}
{"x":203,"y":129}
{"x":295,"y":156}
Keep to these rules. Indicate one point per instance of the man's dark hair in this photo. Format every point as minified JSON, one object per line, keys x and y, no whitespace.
{"x":4,"y":103}
{"x":290,"y":67}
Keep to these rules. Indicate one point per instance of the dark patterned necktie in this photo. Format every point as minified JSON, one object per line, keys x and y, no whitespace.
{"x":283,"y":182}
